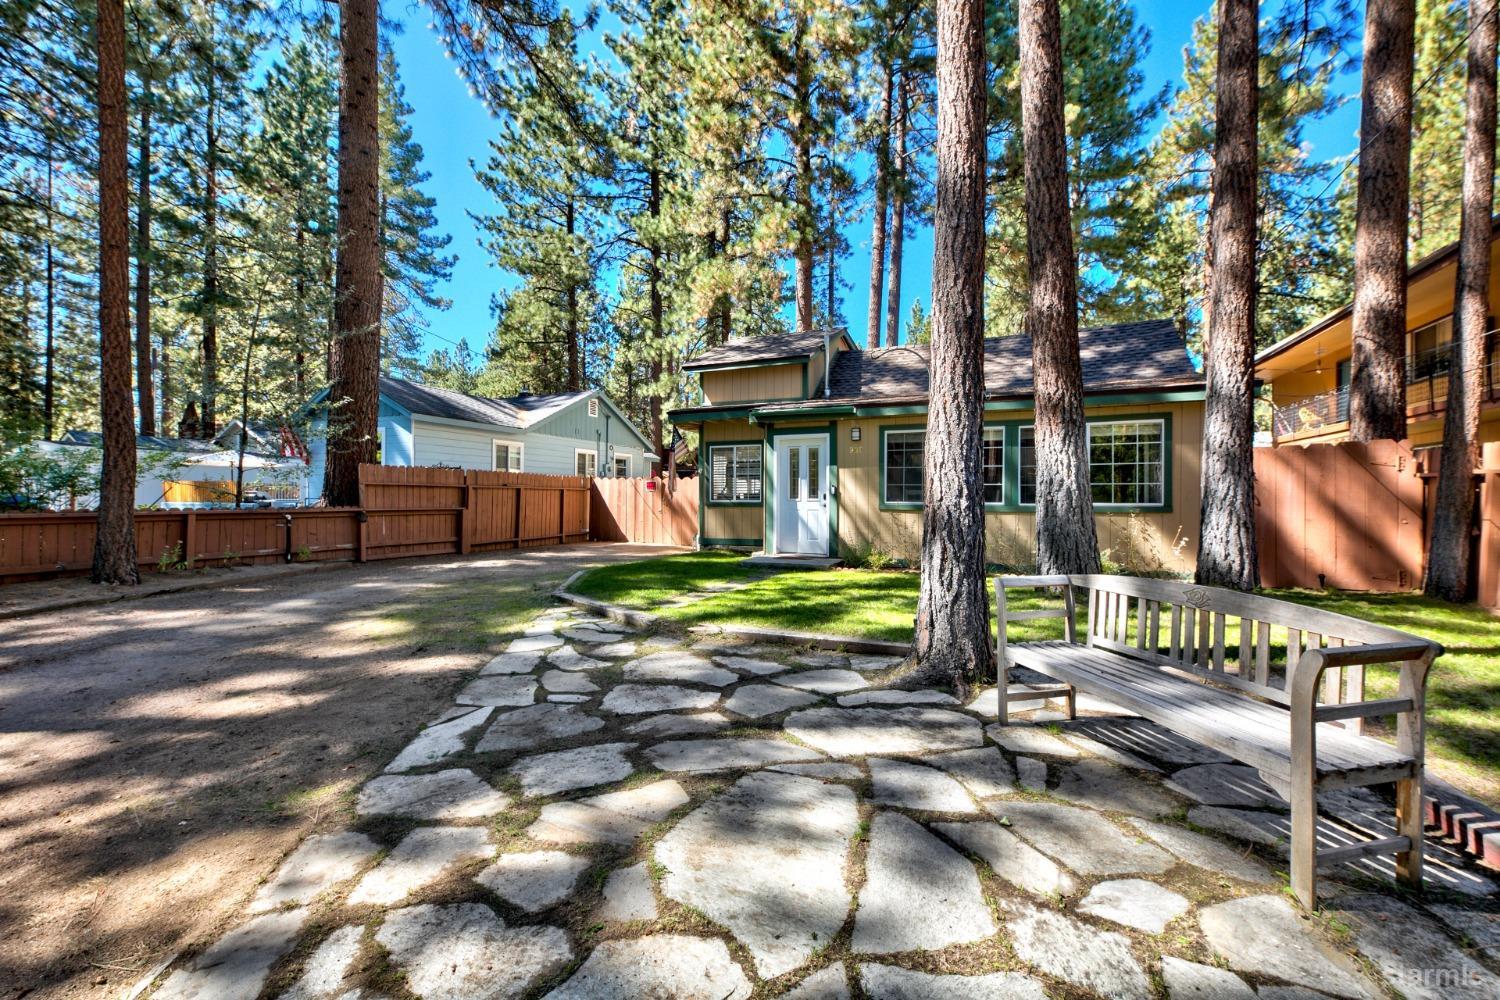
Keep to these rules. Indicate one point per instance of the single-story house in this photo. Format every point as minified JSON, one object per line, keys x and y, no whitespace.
{"x":796,"y":463}
{"x":571,"y":433}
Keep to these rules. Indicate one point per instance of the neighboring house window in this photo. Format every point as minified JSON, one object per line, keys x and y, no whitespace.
{"x":903,"y":466}
{"x":1343,"y":372}
{"x":507,"y":456}
{"x":622,"y":466}
{"x":380,"y":445}
{"x":594,"y":407}
{"x":735,"y":473}
{"x":992,"y":464}
{"x":1127,"y":462}
{"x":585,"y":463}
{"x":1428,"y":354}
{"x":1026,"y":451}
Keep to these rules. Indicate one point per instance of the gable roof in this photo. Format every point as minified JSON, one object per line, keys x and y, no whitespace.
{"x":1148,"y":355}
{"x":518,"y":412}
{"x":771,"y":347}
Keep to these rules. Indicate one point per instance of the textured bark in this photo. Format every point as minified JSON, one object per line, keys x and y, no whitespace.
{"x":1377,"y":396}
{"x":355,"y":388}
{"x":164,"y":367}
{"x":1226,"y":542}
{"x":575,"y":375}
{"x":49,"y":384}
{"x":1065,"y":536}
{"x":208,"y":414}
{"x":658,"y":329}
{"x":807,"y":226}
{"x":145,"y":403}
{"x":114,"y":542}
{"x":1448,"y":555}
{"x":952,"y":634}
{"x":898,"y":221}
{"x":877,"y":232}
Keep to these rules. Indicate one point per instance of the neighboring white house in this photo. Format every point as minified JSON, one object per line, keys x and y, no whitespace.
{"x":574,"y":433}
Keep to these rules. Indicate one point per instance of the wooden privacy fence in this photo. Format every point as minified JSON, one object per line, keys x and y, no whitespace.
{"x":647,"y":510}
{"x":406,"y":512}
{"x":1351,"y":516}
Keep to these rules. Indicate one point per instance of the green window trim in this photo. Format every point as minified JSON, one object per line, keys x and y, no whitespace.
{"x":1168,"y":461}
{"x":707,"y":474}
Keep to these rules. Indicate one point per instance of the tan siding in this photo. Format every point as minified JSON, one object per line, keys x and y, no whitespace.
{"x":1144,"y":541}
{"x":752,"y":384}
{"x":731,"y":522}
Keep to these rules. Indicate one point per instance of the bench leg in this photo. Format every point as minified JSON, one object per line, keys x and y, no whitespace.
{"x":1072,"y":703}
{"x":1409,"y":824}
{"x":1304,"y":846}
{"x":1002,"y":686}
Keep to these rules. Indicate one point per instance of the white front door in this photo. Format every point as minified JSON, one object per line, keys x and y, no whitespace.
{"x":802,"y":495}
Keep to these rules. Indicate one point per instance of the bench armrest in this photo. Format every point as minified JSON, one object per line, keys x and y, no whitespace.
{"x":1413,"y":659}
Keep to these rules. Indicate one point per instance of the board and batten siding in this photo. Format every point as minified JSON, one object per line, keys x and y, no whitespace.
{"x":1147,"y":540}
{"x":758,"y":384}
{"x":725,"y":524}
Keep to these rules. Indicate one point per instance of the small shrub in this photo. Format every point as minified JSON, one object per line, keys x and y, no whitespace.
{"x":303,"y":553}
{"x":170,"y":559}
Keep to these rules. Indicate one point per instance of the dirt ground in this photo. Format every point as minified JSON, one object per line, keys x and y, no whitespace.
{"x":159,"y":757}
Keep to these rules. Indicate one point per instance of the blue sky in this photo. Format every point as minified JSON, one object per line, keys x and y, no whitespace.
{"x":454,"y":130}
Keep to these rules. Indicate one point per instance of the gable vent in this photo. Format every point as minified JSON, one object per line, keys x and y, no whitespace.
{"x":594,"y":407}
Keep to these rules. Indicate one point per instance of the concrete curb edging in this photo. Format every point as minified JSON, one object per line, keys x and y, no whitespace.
{"x":816,"y":640}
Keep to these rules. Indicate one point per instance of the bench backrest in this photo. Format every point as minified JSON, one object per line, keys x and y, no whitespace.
{"x":1189,"y":628}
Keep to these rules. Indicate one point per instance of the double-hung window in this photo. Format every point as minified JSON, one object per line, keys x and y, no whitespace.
{"x":735,"y":473}
{"x":507,"y":456}
{"x":992,"y":464}
{"x":585,"y":463}
{"x":622,"y":467}
{"x":903,"y":466}
{"x":1127,"y":463}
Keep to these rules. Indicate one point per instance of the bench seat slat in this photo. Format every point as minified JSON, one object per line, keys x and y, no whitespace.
{"x":1255,"y":732}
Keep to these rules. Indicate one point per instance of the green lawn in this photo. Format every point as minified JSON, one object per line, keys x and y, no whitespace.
{"x":1463,"y":690}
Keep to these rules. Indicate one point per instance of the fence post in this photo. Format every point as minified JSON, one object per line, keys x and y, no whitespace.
{"x":466,"y":518}
{"x":562,"y":515}
{"x":189,"y":539}
{"x":520,"y":498}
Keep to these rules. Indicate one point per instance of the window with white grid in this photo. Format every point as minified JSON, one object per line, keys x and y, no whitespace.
{"x":1127,"y":462}
{"x":734,"y":473}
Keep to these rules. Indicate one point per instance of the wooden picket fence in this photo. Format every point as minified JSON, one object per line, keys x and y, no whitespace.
{"x":404,"y":512}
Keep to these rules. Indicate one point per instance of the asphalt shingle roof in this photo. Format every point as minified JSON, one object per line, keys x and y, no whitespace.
{"x":513,"y":411}
{"x":771,"y":347}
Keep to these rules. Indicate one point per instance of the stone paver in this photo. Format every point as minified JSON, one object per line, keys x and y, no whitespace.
{"x":320,"y":863}
{"x":628,"y":896}
{"x":1233,"y":822}
{"x":324,"y":973}
{"x":235,"y":967}
{"x":457,"y":793}
{"x":766,"y":860}
{"x":533,"y":643}
{"x":534,"y":725}
{"x":581,"y":767}
{"x":725,"y":754}
{"x":752,"y":665}
{"x":1112,"y":754}
{"x":436,"y":742}
{"x":466,"y":952}
{"x":1411,"y":951}
{"x":512,"y":663}
{"x":422,"y":857}
{"x":1284,"y":944}
{"x":615,"y":650}
{"x":913,"y":786}
{"x":568,"y":658}
{"x":1225,"y":785}
{"x":613,"y":818}
{"x":1104,"y":786}
{"x":1191,"y":981}
{"x":678,"y":666}
{"x":869,"y":663}
{"x":1481,"y":928}
{"x":909,"y":871}
{"x":568,"y":699}
{"x":1010,"y":857}
{"x":534,"y":880}
{"x":983,"y":770}
{"x":890,"y":982}
{"x":1205,"y":852}
{"x":755,"y":701}
{"x":641,"y":699}
{"x":664,"y":966}
{"x":1146,"y":739}
{"x":1082,"y":840}
{"x":499,"y":691}
{"x":590,"y":634}
{"x":824,"y":681}
{"x":678,"y":725}
{"x":1071,"y":950}
{"x":1134,"y":902}
{"x":1019,"y":737}
{"x":1031,"y":774}
{"x":821,"y":659}
{"x":858,"y":732}
{"x":832,"y":770}
{"x":831,"y":983}
{"x":568,"y":682}
{"x":893,"y":697}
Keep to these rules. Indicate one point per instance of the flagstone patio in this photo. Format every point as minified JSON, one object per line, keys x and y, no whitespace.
{"x":607,"y":813}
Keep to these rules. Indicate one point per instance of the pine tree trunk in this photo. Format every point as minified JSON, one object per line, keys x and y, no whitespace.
{"x":726,"y":304}
{"x":575,"y":379}
{"x":145,"y":402}
{"x":1448,"y":555}
{"x":1226,"y":536}
{"x":658,"y":328}
{"x":806,"y":209}
{"x":952,"y":635}
{"x":1065,"y":534}
{"x":114,"y":542}
{"x":49,"y":384}
{"x":208,"y":411}
{"x":1377,"y":395}
{"x":877,"y":232}
{"x":164,"y":366}
{"x":898,"y":221}
{"x":355,"y":388}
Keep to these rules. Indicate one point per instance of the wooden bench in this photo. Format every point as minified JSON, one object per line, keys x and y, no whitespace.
{"x":1164,"y":650}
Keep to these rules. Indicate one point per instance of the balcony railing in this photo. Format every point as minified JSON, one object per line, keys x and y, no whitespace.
{"x":1426,"y":381}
